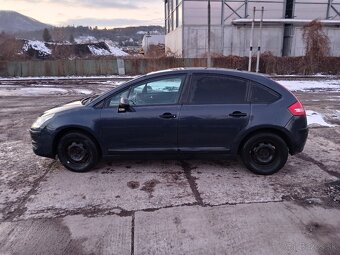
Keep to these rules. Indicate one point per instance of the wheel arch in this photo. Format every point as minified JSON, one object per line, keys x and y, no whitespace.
{"x":273,"y":130}
{"x":81,"y":130}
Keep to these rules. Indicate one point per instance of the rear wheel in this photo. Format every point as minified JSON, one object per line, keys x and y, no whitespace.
{"x":77,"y":152}
{"x":264,"y":153}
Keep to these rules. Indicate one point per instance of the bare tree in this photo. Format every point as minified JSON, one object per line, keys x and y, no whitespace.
{"x":317,"y":45}
{"x":59,"y":34}
{"x":9,"y":47}
{"x":46,"y":35}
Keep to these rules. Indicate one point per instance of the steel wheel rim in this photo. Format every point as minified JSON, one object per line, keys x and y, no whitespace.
{"x":263,"y":153}
{"x":77,"y":152}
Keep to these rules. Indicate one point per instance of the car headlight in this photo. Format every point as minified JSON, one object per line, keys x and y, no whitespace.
{"x":41,"y":120}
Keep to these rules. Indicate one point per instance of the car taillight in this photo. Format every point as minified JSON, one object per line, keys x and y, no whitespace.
{"x":297,"y":109}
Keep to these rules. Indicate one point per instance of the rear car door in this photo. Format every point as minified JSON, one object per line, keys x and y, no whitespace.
{"x":215,"y":113}
{"x":151,"y":123}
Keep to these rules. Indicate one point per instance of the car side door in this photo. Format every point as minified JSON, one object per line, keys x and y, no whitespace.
{"x":150,"y":124}
{"x":215,"y":113}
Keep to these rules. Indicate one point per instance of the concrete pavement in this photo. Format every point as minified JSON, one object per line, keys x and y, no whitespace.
{"x":203,"y":206}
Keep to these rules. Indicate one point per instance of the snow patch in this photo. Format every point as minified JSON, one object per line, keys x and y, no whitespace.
{"x":98,"y":51}
{"x":38,"y":46}
{"x":104,"y":52}
{"x":31,"y":91}
{"x":85,"y":39}
{"x":115,"y":51}
{"x":83,"y":91}
{"x":315,"y":118}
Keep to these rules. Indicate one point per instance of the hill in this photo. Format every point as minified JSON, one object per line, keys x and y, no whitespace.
{"x":13,"y":22}
{"x":24,"y":27}
{"x":128,"y":36}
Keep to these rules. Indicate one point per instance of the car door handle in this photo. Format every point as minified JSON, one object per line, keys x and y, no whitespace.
{"x":237,"y":114}
{"x":168,"y":115}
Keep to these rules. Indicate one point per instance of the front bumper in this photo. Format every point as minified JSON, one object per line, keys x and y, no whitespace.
{"x":42,"y":143}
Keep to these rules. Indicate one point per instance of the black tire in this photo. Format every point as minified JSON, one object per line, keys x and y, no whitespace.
{"x":77,"y":152}
{"x":264,"y":153}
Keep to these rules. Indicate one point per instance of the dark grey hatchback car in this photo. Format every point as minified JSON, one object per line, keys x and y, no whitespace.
{"x":180,"y":112}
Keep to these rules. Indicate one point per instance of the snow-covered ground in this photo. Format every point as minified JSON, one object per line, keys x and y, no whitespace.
{"x":310,"y":85}
{"x":40,"y":91}
{"x":292,"y":85}
{"x":316,"y":119}
{"x":31,"y":91}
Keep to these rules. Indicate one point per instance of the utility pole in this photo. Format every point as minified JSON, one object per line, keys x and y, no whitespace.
{"x":147,"y":36}
{"x":251,"y":40}
{"x":259,"y":42}
{"x":209,"y":36}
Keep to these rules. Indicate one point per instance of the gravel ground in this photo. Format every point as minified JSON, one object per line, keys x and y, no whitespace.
{"x":202,"y":206}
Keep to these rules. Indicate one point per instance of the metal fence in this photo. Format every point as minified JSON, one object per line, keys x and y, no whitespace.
{"x":91,"y":67}
{"x":78,"y":67}
{"x":134,"y":66}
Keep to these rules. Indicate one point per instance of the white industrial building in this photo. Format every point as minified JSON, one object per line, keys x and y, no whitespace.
{"x":187,"y":30}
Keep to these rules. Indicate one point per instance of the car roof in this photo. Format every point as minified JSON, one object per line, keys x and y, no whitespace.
{"x":208,"y":70}
{"x":263,"y":79}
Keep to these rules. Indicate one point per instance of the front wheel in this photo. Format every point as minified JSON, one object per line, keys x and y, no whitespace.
{"x":77,"y":152}
{"x":264,"y":153}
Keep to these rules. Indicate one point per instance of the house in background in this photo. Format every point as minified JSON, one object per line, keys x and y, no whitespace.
{"x":187,"y":30}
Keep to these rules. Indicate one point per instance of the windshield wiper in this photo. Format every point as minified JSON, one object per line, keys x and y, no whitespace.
{"x":84,"y":101}
{"x":89,"y":99}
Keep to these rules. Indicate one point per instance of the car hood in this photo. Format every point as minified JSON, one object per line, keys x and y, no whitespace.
{"x":68,"y":106}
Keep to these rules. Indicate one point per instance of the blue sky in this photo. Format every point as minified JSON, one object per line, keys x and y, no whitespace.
{"x":101,"y":13}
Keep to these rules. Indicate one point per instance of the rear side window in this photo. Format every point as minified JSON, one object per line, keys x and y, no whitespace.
{"x":217,"y":89}
{"x":263,"y":95}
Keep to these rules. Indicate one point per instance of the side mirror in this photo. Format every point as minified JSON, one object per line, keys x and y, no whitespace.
{"x":124,"y":104}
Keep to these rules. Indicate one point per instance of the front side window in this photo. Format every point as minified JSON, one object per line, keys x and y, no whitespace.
{"x":163,"y":91}
{"x":115,"y":100}
{"x":156,"y":92}
{"x":217,"y":89}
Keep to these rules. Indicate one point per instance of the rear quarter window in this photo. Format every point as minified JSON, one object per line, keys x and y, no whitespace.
{"x":263,"y":95}
{"x":217,"y":89}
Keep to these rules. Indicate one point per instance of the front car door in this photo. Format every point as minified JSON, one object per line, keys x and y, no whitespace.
{"x":217,"y":110}
{"x":150,"y":125}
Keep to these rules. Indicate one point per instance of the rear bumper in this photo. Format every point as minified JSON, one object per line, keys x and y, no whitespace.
{"x":42,"y":143}
{"x":297,"y":127}
{"x":300,"y":141}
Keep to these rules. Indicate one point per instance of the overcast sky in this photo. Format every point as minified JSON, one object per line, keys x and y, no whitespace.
{"x":101,"y":13}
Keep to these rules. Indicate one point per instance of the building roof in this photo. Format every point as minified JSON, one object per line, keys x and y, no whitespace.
{"x":284,"y":21}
